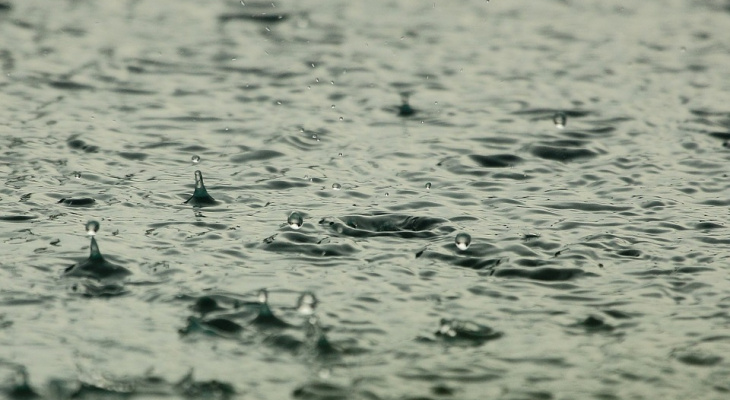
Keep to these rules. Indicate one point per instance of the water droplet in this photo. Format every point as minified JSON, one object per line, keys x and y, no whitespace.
{"x":387,"y":194}
{"x":315,"y":137}
{"x":333,"y":106}
{"x":336,"y":186}
{"x":295,"y":220}
{"x":339,"y":154}
{"x":195,"y":159}
{"x":428,"y":185}
{"x":332,"y":82}
{"x":77,"y":175}
{"x":263,"y":296}
{"x":199,"y":180}
{"x":463,"y":240}
{"x":242,"y":3}
{"x":91,"y":227}
{"x":342,"y":119}
{"x":560,"y":120}
{"x":306,"y":303}
{"x":446,"y":329}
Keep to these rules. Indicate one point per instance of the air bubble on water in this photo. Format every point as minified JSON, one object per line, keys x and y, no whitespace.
{"x":462,"y":241}
{"x":336,"y":186}
{"x":560,"y":120}
{"x":77,"y":175}
{"x":92,"y":227}
{"x":306,"y":303}
{"x":295,"y":220}
{"x":428,"y":185}
{"x":195,"y":159}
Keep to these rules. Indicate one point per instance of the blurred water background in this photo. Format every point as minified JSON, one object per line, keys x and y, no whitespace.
{"x":578,"y":149}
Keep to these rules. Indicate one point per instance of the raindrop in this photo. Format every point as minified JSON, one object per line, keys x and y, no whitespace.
{"x":560,"y":120}
{"x":91,"y":227}
{"x":333,"y":106}
{"x":242,"y":3}
{"x":295,"y":220}
{"x":315,"y":137}
{"x":339,"y":154}
{"x":336,"y":186}
{"x":195,"y":159}
{"x":428,"y":185}
{"x":77,"y":175}
{"x":342,"y":119}
{"x":306,"y":303}
{"x":332,"y":82}
{"x":463,"y":240}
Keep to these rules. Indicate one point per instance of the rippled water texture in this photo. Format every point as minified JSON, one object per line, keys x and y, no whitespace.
{"x":582,"y":146}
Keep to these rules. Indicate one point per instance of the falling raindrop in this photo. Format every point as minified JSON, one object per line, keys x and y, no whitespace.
{"x":295,"y":220}
{"x":91,"y":227}
{"x":560,"y":120}
{"x":195,"y":159}
{"x":336,"y":186}
{"x":463,"y":240}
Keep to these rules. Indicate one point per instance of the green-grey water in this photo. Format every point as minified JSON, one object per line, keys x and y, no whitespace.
{"x":403,"y":199}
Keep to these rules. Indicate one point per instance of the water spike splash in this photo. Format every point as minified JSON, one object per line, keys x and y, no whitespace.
{"x":266,"y":317}
{"x":405,"y":109}
{"x":96,"y":267}
{"x":200,"y":196}
{"x":94,"y":252}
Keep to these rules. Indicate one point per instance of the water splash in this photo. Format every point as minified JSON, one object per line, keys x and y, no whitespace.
{"x":96,"y":267}
{"x":405,"y":109}
{"x":200,"y":196}
{"x":266,"y":317}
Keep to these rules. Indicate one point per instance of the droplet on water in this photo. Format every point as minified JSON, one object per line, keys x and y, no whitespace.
{"x":295,"y":220}
{"x":336,"y":186}
{"x":560,"y":120}
{"x":463,"y":240}
{"x":77,"y":175}
{"x":92,"y":227}
{"x":195,"y":159}
{"x":263,"y":296}
{"x":306,"y":303}
{"x":428,"y":185}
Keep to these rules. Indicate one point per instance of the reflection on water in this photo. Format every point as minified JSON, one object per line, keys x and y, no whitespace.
{"x":552,"y":189}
